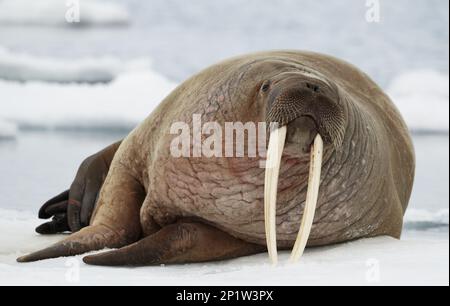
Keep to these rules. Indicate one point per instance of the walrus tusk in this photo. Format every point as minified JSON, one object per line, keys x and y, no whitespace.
{"x":311,"y":199}
{"x":274,"y":153}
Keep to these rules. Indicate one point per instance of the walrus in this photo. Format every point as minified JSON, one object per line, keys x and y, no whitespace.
{"x":341,"y":168}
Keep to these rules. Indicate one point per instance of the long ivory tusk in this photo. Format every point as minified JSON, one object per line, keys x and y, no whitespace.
{"x":311,"y":199}
{"x":274,"y":153}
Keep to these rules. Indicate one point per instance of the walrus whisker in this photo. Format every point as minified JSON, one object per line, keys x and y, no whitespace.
{"x":274,"y":152}
{"x":311,"y":199}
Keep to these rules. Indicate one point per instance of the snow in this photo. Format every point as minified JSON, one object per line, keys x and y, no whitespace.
{"x":53,"y":12}
{"x":423,"y":99}
{"x":378,"y":261}
{"x":421,"y":215}
{"x":7,"y":130}
{"x":24,"y":67}
{"x":122,"y":103}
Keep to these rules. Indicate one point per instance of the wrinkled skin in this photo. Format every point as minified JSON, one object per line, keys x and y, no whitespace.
{"x":160,"y":209}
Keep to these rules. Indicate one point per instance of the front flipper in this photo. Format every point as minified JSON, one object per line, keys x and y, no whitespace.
{"x":72,"y":209}
{"x":115,"y":222}
{"x":178,"y":243}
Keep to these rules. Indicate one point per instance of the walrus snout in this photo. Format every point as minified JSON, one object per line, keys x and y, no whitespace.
{"x":307,"y":105}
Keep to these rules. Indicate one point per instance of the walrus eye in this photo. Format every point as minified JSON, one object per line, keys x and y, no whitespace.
{"x":265,"y":87}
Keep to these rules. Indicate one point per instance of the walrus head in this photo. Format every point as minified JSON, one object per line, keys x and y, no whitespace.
{"x":309,"y":114}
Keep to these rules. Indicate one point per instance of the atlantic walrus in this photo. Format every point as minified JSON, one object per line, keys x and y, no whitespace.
{"x":337,"y":130}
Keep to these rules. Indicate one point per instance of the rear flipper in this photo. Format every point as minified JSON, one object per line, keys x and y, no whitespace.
{"x":88,"y":239}
{"x":115,"y":222}
{"x":178,"y":243}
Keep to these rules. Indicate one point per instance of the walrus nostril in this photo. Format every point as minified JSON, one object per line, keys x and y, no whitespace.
{"x":312,"y":87}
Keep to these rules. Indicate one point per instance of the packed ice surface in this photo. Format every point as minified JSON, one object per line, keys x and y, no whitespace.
{"x":423,"y":99}
{"x":54,"y":12}
{"x":375,"y":261}
{"x":8,"y":130}
{"x":421,"y":218}
{"x":24,"y":67}
{"x":122,"y":103}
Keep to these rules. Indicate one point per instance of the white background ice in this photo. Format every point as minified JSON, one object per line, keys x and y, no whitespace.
{"x":53,"y":12}
{"x":23,"y":67}
{"x":8,"y":130}
{"x":422,"y":97}
{"x":124,"y":102}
